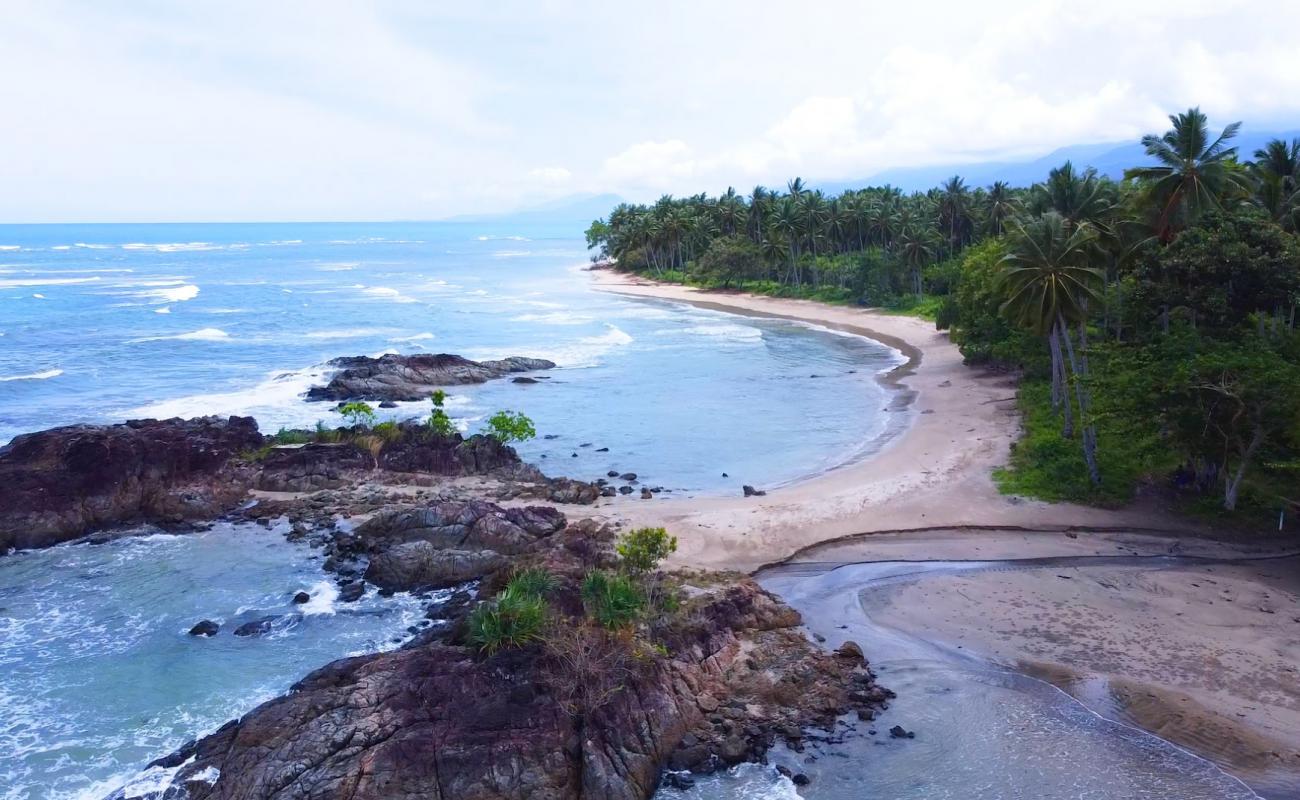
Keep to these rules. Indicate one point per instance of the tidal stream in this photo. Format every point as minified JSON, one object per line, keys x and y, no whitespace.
{"x":982,"y":732}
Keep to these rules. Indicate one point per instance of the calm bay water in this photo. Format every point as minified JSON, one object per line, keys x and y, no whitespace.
{"x":103,"y":323}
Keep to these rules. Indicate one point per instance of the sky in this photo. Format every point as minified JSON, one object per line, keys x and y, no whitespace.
{"x":233,"y":110}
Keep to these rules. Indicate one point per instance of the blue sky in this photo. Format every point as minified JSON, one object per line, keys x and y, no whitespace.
{"x":156,"y":111}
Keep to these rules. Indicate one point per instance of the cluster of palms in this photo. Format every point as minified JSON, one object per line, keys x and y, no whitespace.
{"x":796,"y":230}
{"x":1068,"y":238}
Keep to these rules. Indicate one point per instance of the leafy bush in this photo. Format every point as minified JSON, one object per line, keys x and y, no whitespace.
{"x":613,"y":600}
{"x":358,"y":413}
{"x":510,"y":426}
{"x":514,"y":619}
{"x":641,"y":550}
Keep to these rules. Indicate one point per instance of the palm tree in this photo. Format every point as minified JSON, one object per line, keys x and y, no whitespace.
{"x":757,"y":204}
{"x":788,"y":225}
{"x":1277,"y":189}
{"x":954,"y":212}
{"x":1078,"y":197}
{"x":1048,"y":282}
{"x":999,"y":206}
{"x":1193,"y":173}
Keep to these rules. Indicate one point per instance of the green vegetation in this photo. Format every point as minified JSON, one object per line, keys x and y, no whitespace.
{"x":439,"y":422}
{"x":613,"y":600}
{"x":1152,"y":318}
{"x":641,"y":550}
{"x":358,"y":414}
{"x":514,"y":618}
{"x":510,"y":426}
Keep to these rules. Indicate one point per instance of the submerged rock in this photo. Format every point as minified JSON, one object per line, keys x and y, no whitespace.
{"x":413,"y":377}
{"x":255,"y":627}
{"x":205,"y":628}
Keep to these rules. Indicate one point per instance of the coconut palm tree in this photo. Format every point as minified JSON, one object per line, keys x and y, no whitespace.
{"x":1079,"y":197}
{"x":999,"y":207}
{"x":1048,"y":282}
{"x":1192,"y":173}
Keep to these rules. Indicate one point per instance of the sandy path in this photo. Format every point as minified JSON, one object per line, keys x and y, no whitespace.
{"x":936,"y":474}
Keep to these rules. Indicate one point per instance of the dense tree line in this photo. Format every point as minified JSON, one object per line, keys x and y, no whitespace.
{"x":1153,"y":316}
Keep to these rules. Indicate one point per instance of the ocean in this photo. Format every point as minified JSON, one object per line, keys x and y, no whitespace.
{"x":103,"y":323}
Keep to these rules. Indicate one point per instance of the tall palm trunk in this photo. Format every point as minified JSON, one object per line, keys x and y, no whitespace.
{"x":1060,"y":398}
{"x":1080,"y":388}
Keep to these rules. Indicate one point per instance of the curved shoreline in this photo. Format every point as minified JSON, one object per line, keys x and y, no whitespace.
{"x":936,"y":473}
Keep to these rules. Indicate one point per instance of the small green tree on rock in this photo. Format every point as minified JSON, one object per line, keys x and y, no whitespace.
{"x":358,"y":413}
{"x":510,"y":426}
{"x":439,"y":422}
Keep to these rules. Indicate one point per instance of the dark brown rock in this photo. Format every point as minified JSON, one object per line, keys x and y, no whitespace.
{"x":63,"y":483}
{"x":413,"y":377}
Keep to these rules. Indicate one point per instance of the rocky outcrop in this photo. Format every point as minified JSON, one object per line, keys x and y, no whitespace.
{"x":394,"y":377}
{"x":62,"y":483}
{"x":435,"y":720}
{"x":449,"y":543}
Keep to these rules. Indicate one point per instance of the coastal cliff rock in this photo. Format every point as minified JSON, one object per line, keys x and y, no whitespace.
{"x":393,"y":377}
{"x":451,"y":542}
{"x":436,"y":720}
{"x":61,"y":483}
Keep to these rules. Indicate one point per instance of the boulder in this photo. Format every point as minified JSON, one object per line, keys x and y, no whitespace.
{"x":63,"y":483}
{"x":205,"y":628}
{"x":256,"y":627}
{"x":396,"y":377}
{"x":420,"y":564}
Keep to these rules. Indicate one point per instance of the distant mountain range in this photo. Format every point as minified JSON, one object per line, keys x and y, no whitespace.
{"x":1109,"y":158}
{"x":573,"y":208}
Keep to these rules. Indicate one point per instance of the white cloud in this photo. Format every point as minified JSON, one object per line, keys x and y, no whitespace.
{"x":335,"y":110}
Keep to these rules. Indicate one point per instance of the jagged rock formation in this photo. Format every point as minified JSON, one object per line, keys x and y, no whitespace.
{"x":436,"y":721}
{"x":393,"y":377}
{"x":61,"y":483}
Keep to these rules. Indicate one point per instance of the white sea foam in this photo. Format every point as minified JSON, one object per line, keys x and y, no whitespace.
{"x":85,"y":246}
{"x":504,"y":238}
{"x":223,"y":310}
{"x":323,"y":595}
{"x":347,"y":333}
{"x":163,"y":310}
{"x":275,"y":401}
{"x":169,"y":293}
{"x":554,"y":318}
{"x":9,"y":283}
{"x":386,"y":293}
{"x":512,"y":253}
{"x":39,"y":296}
{"x":201,"y":335}
{"x":35,"y":376}
{"x":11,"y":247}
{"x":724,"y":331}
{"x":342,"y":266}
{"x":584,"y":352}
{"x":172,"y":247}
{"x":419,"y":337}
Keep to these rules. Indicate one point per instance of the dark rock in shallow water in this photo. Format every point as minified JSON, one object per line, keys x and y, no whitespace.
{"x":628,"y":476}
{"x":897,"y":732}
{"x":388,"y":404}
{"x":352,"y":592}
{"x":646,"y":494}
{"x":850,"y":650}
{"x":413,"y":377}
{"x":524,"y":380}
{"x":625,"y":490}
{"x":613,"y":473}
{"x":256,"y":627}
{"x":61,"y":483}
{"x":750,"y":491}
{"x":205,"y":628}
{"x":301,"y":597}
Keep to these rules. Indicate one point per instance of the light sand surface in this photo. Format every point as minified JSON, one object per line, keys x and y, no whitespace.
{"x":935,"y":474}
{"x":1204,"y":655}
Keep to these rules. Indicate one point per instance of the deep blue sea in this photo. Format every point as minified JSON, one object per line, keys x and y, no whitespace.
{"x":102,"y":323}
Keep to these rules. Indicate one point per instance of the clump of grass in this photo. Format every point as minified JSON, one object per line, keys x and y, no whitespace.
{"x":535,"y":581}
{"x":613,"y":600}
{"x":514,"y":618}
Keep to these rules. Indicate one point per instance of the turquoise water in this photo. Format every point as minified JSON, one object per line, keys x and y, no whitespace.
{"x":102,"y":323}
{"x":100,"y":675}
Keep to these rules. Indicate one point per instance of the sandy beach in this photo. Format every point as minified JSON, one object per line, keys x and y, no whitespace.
{"x":935,"y":474}
{"x":1203,"y":654}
